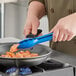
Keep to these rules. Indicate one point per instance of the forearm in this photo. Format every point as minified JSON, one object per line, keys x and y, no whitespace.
{"x":36,"y":9}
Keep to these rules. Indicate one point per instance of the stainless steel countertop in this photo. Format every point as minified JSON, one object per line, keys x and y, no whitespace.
{"x":64,"y":58}
{"x":55,"y":54}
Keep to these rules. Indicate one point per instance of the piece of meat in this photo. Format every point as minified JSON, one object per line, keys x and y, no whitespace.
{"x":14,"y":48}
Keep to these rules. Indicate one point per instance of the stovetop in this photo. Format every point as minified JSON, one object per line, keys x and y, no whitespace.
{"x":40,"y":70}
{"x":27,"y":71}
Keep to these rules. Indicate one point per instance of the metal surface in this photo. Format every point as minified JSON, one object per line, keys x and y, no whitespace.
{"x":42,"y":50}
{"x":2,"y":20}
{"x":60,"y":72}
{"x":64,"y":58}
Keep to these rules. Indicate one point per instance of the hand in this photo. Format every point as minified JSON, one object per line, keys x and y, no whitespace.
{"x":32,"y":24}
{"x":65,"y":28}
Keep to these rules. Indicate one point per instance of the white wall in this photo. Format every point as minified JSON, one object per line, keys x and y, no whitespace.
{"x":15,"y":17}
{"x":0,"y":21}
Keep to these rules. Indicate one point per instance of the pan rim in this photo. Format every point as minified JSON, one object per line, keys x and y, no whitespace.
{"x":49,"y":52}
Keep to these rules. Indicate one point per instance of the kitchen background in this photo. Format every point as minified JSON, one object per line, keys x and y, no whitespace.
{"x":15,"y":18}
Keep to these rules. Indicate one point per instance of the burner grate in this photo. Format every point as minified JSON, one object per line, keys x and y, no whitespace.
{"x":51,"y":64}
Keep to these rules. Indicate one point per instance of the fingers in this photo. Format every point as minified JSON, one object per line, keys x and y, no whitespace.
{"x":31,"y":28}
{"x":55,"y":34}
{"x":27,"y":29}
{"x":70,"y":37}
{"x":61,"y":35}
{"x":35,"y":27}
{"x":64,"y":37}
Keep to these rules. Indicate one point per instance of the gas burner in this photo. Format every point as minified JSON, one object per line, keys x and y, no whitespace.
{"x":19,"y":71}
{"x":13,"y":71}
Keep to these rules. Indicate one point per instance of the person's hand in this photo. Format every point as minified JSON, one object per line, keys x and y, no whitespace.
{"x":31,"y":26}
{"x":65,"y":29}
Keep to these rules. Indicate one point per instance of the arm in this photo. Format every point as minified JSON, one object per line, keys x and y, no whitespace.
{"x":35,"y":11}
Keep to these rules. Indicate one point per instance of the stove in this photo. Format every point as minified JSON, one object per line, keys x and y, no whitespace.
{"x":47,"y":68}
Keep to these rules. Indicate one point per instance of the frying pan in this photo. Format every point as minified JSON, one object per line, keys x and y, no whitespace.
{"x":42,"y":50}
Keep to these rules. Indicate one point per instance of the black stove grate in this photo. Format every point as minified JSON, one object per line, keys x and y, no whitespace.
{"x":51,"y":64}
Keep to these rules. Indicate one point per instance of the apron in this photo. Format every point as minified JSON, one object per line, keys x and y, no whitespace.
{"x":56,"y":9}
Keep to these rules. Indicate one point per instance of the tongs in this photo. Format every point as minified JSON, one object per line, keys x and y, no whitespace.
{"x":30,"y":42}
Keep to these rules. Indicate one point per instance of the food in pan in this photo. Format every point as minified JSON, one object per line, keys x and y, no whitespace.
{"x":21,"y":54}
{"x":14,"y":48}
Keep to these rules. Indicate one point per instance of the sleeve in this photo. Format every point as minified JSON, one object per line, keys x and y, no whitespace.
{"x":42,"y":1}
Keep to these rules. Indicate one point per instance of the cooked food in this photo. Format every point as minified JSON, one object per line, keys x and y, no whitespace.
{"x":12,"y":53}
{"x":14,"y":48}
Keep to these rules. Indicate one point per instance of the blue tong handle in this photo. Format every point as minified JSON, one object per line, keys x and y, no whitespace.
{"x":44,"y":38}
{"x":30,"y":42}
